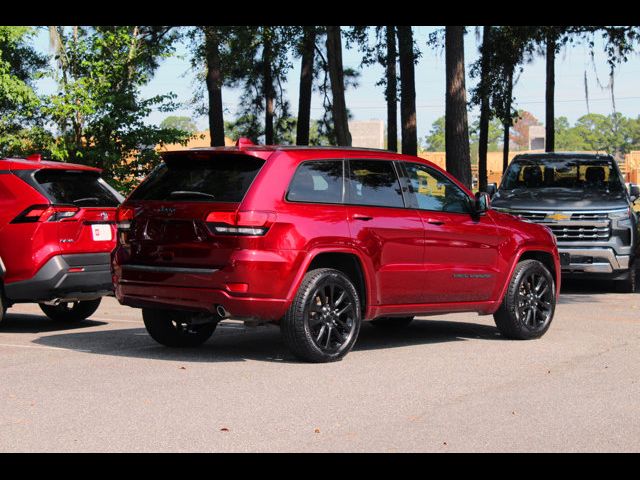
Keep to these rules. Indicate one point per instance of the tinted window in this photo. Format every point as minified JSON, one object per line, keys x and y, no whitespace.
{"x":374,"y":182}
{"x":434,"y":191}
{"x":76,"y":187}
{"x":318,"y":182}
{"x":569,"y":173}
{"x":225,"y":179}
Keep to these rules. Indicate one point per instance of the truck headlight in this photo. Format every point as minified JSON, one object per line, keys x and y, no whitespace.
{"x":620,"y":214}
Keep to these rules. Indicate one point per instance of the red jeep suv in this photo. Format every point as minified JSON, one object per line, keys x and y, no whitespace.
{"x":57,"y":231}
{"x":319,"y":240}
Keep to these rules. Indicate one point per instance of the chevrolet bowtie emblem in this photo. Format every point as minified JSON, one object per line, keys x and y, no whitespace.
{"x":559,"y":216}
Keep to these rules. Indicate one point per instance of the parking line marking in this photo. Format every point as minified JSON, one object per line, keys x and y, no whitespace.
{"x":38,"y":346}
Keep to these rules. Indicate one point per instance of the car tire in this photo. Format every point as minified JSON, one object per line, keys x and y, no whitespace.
{"x":174,"y":328}
{"x":71,"y":312}
{"x":391,"y":323}
{"x":323,"y":321}
{"x":628,"y":285}
{"x":528,"y":306}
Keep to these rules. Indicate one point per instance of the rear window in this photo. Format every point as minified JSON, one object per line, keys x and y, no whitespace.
{"x":224,"y":179}
{"x":76,"y":187}
{"x":374,"y":182}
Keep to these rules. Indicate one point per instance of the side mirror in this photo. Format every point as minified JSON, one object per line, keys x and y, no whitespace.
{"x":634,"y":191}
{"x":492,"y":188}
{"x":482,"y":203}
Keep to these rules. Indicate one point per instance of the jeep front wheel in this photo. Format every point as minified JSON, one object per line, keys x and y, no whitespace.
{"x":528,"y":306}
{"x":323,"y":322}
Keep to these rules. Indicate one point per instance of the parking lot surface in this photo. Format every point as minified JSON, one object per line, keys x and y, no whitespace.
{"x":444,"y":384}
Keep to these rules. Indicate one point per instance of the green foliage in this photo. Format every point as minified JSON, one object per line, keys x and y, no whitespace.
{"x":435,"y":140}
{"x":20,"y":64}
{"x":183,"y":124}
{"x":248,"y":126}
{"x":98,"y":108}
{"x":613,"y":133}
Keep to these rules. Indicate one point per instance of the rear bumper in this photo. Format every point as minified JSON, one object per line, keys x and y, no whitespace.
{"x":595,"y":260}
{"x":200,"y":299}
{"x":55,"y":281}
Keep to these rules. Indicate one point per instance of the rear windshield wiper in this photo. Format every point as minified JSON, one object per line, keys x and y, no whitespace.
{"x":87,"y":199}
{"x":188,"y":193}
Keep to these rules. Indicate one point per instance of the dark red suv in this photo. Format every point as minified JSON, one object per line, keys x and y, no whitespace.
{"x":57,"y":231}
{"x":318,"y":240}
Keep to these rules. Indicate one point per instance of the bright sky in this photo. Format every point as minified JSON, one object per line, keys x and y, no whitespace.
{"x":367,"y":100}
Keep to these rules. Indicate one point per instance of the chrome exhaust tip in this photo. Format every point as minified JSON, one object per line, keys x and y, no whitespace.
{"x":222,"y":312}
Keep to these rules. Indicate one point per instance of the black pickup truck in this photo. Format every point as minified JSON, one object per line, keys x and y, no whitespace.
{"x":583,"y":199}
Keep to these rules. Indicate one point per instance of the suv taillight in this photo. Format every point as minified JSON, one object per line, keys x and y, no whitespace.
{"x":124,"y":215}
{"x":46,"y":213}
{"x":255,"y":223}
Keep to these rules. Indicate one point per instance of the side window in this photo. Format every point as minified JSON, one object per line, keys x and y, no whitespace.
{"x":374,"y":182}
{"x":318,"y":181}
{"x":434,"y":191}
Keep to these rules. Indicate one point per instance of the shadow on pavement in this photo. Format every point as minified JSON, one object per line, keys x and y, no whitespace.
{"x":27,"y":323}
{"x":236,"y":344}
{"x":587,"y":291}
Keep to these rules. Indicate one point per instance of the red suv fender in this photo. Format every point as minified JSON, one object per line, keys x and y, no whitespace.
{"x":365,"y":265}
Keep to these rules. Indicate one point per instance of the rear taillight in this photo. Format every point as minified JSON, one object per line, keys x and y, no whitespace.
{"x":124,"y":215}
{"x":46,"y":213}
{"x":252,"y":222}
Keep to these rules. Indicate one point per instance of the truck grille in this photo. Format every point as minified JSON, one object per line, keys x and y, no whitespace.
{"x":571,"y":227}
{"x":572,"y":233}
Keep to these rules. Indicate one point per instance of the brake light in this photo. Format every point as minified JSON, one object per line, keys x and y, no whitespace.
{"x":46,"y":213}
{"x":124,"y":215}
{"x":240,"y":223}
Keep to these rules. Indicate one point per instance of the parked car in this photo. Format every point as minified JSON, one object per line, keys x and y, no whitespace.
{"x":319,"y":240}
{"x":57,"y":231}
{"x":583,"y":199}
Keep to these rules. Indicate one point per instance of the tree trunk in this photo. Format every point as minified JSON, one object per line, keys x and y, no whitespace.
{"x":456,"y":126}
{"x":506,"y":122}
{"x":336,"y":75}
{"x":407,"y":91}
{"x":214,"y":88}
{"x":269,"y":93}
{"x":391,"y":93}
{"x":484,"y":109}
{"x":549,"y":143}
{"x":306,"y":83}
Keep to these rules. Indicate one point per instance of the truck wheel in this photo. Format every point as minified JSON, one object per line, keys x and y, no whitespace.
{"x":71,"y":312}
{"x":628,"y":285}
{"x":323,"y":322}
{"x":174,"y":328}
{"x":391,"y":323}
{"x":527,"y":309}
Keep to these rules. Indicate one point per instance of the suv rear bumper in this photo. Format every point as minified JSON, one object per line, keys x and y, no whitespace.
{"x":140,"y":295}
{"x":601,"y":260}
{"x":55,"y":281}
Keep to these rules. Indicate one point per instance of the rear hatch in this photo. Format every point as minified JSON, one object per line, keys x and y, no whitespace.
{"x":83,"y":206}
{"x":174,"y":213}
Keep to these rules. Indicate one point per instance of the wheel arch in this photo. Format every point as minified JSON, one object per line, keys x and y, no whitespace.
{"x":347,"y":261}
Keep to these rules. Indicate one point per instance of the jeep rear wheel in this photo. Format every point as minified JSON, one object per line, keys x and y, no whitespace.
{"x":323,"y":322}
{"x":174,"y":328}
{"x":528,"y":306}
{"x":71,"y":312}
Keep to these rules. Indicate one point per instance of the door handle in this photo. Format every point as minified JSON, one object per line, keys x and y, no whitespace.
{"x":361,"y":216}
{"x":432,"y":221}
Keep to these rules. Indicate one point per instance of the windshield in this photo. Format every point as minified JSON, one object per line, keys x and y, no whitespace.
{"x":570,"y":173}
{"x":76,"y":187}
{"x":223,"y":179}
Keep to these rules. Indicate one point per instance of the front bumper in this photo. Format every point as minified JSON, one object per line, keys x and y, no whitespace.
{"x":55,"y":281}
{"x":592,"y":260}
